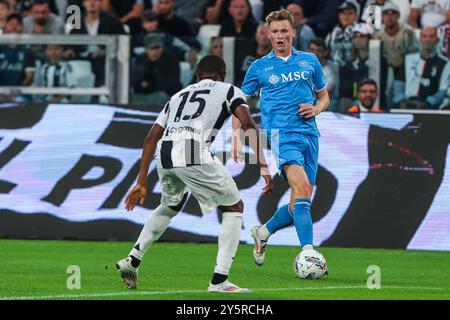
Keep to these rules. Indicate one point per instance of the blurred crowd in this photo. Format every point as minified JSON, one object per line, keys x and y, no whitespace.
{"x":411,"y":68}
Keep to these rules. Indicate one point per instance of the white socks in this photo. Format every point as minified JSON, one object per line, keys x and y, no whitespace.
{"x":230,"y":234}
{"x":152,"y":230}
{"x":229,"y":237}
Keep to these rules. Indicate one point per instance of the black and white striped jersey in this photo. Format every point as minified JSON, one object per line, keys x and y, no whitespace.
{"x":192,"y":119}
{"x":55,"y":75}
{"x":426,"y":77}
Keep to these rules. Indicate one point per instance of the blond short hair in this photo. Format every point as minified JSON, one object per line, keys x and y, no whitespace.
{"x":280,"y":15}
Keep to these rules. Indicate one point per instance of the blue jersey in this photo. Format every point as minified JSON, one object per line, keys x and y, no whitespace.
{"x":284,"y":86}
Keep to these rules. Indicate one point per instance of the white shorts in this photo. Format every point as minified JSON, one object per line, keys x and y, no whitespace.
{"x":211,"y":184}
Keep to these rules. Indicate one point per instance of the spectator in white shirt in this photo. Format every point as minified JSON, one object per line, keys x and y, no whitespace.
{"x":432,"y":13}
{"x":427,"y":75}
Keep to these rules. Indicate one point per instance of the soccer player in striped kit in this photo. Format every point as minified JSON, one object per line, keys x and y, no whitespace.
{"x":184,"y":131}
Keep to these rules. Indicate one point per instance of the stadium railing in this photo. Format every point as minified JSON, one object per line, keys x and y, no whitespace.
{"x":116,"y":66}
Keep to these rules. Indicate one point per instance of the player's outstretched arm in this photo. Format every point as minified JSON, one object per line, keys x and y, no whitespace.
{"x":250,"y":130}
{"x":236,"y":143}
{"x":309,"y":111}
{"x":139,"y":191}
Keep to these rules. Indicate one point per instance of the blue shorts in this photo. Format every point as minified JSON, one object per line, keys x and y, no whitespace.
{"x":296,"y":148}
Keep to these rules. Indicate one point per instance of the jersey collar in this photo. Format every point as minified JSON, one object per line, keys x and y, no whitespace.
{"x":272,"y":53}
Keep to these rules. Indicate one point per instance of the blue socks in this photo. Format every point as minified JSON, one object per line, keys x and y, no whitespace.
{"x":301,"y":219}
{"x":303,"y":222}
{"x":282,"y":218}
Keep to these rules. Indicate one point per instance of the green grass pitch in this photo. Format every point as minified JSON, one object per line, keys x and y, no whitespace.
{"x":34,"y":269}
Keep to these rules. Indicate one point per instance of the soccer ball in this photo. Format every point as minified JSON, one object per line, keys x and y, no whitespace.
{"x":310,"y":264}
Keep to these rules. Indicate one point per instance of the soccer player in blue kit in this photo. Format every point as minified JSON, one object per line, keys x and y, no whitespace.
{"x":293,"y":91}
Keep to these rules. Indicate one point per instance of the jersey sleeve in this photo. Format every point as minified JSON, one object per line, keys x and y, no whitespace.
{"x":163,"y":116}
{"x":235,"y":98}
{"x":319,"y":78}
{"x":251,"y":82}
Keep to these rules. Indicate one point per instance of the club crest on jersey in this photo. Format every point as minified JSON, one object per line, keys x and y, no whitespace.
{"x":273,"y":79}
{"x":434,"y":71}
{"x":303,"y":63}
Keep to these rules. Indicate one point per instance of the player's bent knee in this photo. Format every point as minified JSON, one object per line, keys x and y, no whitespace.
{"x":165,"y":211}
{"x":302,"y":190}
{"x":238,"y":207}
{"x":180,"y":206}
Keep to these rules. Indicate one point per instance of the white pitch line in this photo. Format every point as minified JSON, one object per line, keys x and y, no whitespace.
{"x":143,"y":293}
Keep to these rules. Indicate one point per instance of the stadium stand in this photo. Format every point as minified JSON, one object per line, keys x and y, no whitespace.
{"x":84,"y":78}
{"x":190,"y":49}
